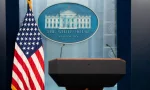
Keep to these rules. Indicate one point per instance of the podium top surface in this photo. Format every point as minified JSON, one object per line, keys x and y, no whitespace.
{"x":87,"y":66}
{"x":89,"y":59}
{"x":91,"y":72}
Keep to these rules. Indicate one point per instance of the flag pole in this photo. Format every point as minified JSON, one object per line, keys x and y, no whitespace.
{"x":30,"y":3}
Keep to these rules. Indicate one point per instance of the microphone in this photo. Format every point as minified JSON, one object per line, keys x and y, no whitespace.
{"x":61,"y":50}
{"x":111,"y":49}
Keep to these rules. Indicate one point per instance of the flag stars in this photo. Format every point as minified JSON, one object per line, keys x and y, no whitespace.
{"x":32,"y":23}
{"x":17,"y":39}
{"x":28,"y":48}
{"x":22,"y":34}
{"x":25,"y":43}
{"x":29,"y":19}
{"x":34,"y":34}
{"x":20,"y":43}
{"x":38,"y":33}
{"x":37,"y":43}
{"x":24,"y":29}
{"x":27,"y":53}
{"x":24,"y":48}
{"x":21,"y":39}
{"x":26,"y":19}
{"x":30,"y":34}
{"x":29,"y":14}
{"x":32,"y":19}
{"x":18,"y":34}
{"x":30,"y":38}
{"x":35,"y":29}
{"x":26,"y":39}
{"x":27,"y":29}
{"x":33,"y":43}
{"x":29,"y":43}
{"x":32,"y":48}
{"x":38,"y":38}
{"x":34,"y":38}
{"x":29,"y":23}
{"x":25,"y":24}
{"x":31,"y":29}
{"x":27,"y":34}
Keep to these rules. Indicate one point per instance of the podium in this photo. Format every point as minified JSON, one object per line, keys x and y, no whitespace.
{"x":87,"y":73}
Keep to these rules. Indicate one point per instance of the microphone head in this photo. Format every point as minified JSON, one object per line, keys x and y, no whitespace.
{"x":107,"y":45}
{"x":63,"y":44}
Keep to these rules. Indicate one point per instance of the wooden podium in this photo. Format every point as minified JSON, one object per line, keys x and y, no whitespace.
{"x":87,"y":73}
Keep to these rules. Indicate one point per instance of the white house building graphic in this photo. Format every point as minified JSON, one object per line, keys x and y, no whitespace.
{"x":68,"y":20}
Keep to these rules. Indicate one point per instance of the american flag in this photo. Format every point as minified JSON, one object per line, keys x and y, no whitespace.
{"x":28,"y":64}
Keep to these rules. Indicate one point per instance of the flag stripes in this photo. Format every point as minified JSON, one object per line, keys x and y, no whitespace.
{"x":30,"y":73}
{"x":22,"y":72}
{"x":38,"y":66}
{"x":15,"y":85}
{"x":17,"y":79}
{"x":36,"y":73}
{"x":26,"y":62}
{"x":41,"y":60}
{"x":20,"y":76}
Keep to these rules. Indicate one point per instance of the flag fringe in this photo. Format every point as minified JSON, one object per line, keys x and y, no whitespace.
{"x":13,"y":87}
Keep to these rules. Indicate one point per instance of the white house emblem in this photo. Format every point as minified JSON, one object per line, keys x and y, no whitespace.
{"x":68,"y":25}
{"x":68,"y":20}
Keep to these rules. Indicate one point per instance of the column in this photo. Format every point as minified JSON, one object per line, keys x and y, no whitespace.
{"x":61,"y":22}
{"x":47,"y":22}
{"x":89,"y":21}
{"x":56,"y":22}
{"x":79,"y":25}
{"x":82,"y":21}
{"x":52,"y":22}
{"x":75,"y":22}
{"x":66,"y":22}
{"x":86,"y":22}
{"x":71,"y":22}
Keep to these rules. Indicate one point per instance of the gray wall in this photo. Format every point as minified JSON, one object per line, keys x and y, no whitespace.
{"x":140,"y":30}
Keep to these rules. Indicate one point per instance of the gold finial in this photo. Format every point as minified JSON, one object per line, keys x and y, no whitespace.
{"x":30,"y":3}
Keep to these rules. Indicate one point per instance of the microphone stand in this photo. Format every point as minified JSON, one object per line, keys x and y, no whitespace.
{"x":61,"y":50}
{"x":111,"y":49}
